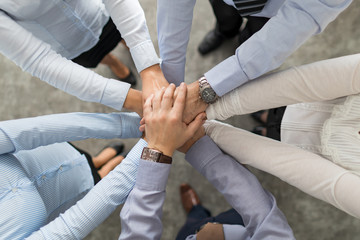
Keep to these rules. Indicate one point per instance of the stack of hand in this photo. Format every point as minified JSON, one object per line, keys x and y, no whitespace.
{"x":153,"y":81}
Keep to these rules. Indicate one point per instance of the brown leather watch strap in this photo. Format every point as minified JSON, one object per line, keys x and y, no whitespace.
{"x":154,"y":155}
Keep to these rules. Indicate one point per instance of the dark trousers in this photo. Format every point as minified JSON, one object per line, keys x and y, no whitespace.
{"x":228,"y":21}
{"x":110,"y":37}
{"x":273,"y":123}
{"x":199,"y":216}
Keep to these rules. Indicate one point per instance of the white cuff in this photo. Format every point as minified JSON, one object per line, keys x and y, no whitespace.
{"x":144,"y":55}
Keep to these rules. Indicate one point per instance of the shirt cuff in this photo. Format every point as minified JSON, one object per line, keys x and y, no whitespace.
{"x":196,"y":155}
{"x":174,"y":73}
{"x":234,"y":232}
{"x":152,"y":176}
{"x":144,"y":55}
{"x":210,"y":112}
{"x":226,"y":76}
{"x":130,"y":123}
{"x":115,"y":94}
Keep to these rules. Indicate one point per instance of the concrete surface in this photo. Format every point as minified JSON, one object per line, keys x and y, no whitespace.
{"x":26,"y":96}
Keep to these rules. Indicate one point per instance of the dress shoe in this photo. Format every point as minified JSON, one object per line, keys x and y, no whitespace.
{"x":131,"y":79}
{"x":211,"y":41}
{"x":117,"y":146}
{"x":189,"y":198}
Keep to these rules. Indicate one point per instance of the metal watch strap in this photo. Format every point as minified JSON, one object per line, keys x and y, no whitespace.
{"x":206,"y":93}
{"x":154,"y":155}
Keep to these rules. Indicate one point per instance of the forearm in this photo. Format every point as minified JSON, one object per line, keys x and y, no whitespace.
{"x":308,"y":172}
{"x":141,"y":214}
{"x":129,"y":19}
{"x":29,"y":133}
{"x":98,"y":204}
{"x":133,"y":101}
{"x":37,"y":58}
{"x":240,"y":188}
{"x":173,"y":34}
{"x":295,"y":22}
{"x":320,"y":81}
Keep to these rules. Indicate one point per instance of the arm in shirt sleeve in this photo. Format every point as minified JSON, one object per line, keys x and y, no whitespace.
{"x":295,"y":22}
{"x":142,"y":212}
{"x":79,"y":220}
{"x":257,"y":207}
{"x":129,"y":19}
{"x":174,"y":19}
{"x":304,"y":170}
{"x":29,"y":133}
{"x":37,"y":58}
{"x":319,"y":81}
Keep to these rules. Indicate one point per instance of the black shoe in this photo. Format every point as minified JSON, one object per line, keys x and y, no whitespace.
{"x":117,"y":146}
{"x":131,"y":79}
{"x":211,"y":41}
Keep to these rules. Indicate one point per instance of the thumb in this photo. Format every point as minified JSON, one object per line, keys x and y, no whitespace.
{"x":196,"y":124}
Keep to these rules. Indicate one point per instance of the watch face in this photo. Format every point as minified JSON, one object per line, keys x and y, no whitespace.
{"x":208,"y":95}
{"x":151,"y":155}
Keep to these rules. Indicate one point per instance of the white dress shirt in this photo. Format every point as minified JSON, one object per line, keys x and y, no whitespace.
{"x":326,"y":122}
{"x":40,"y":36}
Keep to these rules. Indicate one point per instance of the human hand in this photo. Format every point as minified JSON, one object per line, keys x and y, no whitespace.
{"x":198,"y":134}
{"x":194,"y":104}
{"x":165,"y":130}
{"x":152,"y":81}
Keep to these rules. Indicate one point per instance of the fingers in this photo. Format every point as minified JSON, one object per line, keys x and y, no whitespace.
{"x":158,"y":98}
{"x":142,"y":121}
{"x":196,"y":124}
{"x":179,"y":103}
{"x":147,"y":109}
{"x":168,"y":97}
{"x":142,"y":128}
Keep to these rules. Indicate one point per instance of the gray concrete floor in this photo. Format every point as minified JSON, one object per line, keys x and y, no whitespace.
{"x":26,"y":96}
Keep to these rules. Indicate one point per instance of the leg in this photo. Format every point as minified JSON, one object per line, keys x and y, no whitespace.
{"x":273,"y":124}
{"x":253,"y":25}
{"x":228,"y":22}
{"x":197,"y":214}
{"x":197,"y":217}
{"x":109,"y":152}
{"x":229,"y":217}
{"x":110,"y":165}
{"x":116,"y":66}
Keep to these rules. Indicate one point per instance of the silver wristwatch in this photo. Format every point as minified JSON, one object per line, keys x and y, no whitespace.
{"x":207,"y":94}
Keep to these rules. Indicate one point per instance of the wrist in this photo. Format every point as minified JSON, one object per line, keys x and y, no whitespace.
{"x":151,"y":72}
{"x":133,"y":101}
{"x":166,"y":150}
{"x":206,"y":92}
{"x":154,"y":155}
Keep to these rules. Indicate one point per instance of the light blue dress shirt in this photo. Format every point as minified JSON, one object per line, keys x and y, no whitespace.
{"x":142,"y":212}
{"x":42,"y":175}
{"x":292,"y":23}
